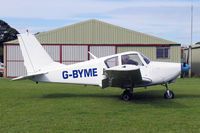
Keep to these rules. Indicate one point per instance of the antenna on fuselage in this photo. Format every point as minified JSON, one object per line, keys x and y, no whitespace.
{"x":92,"y":55}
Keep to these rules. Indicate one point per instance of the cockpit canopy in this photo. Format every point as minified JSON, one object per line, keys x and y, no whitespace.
{"x":134,"y":58}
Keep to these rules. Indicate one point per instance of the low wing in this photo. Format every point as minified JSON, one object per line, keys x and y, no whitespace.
{"x":124,"y":77}
{"x":146,"y":80}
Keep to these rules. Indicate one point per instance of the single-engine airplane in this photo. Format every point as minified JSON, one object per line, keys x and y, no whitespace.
{"x":126,"y":70}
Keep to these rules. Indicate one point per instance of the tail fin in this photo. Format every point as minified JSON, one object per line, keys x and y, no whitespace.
{"x":35,"y":57}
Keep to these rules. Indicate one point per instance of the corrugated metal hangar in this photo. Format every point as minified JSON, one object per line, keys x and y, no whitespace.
{"x":71,"y":44}
{"x":195,"y":61}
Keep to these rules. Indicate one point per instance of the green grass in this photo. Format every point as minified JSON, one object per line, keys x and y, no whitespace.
{"x":57,"y":108}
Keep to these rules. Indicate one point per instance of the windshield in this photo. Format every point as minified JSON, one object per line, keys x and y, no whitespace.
{"x":145,"y":59}
{"x":111,"y":62}
{"x":132,"y":59}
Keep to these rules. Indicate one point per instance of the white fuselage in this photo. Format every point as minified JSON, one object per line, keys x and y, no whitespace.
{"x":125,"y":70}
{"x":163,"y":72}
{"x":92,"y":72}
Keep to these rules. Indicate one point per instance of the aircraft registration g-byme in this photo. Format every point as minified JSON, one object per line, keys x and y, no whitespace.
{"x":126,"y":70}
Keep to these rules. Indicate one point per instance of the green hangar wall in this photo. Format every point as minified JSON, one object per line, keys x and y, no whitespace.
{"x":70,"y":44}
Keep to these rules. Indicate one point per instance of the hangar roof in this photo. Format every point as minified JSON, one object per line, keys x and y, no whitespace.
{"x":195,"y":46}
{"x":96,"y":32}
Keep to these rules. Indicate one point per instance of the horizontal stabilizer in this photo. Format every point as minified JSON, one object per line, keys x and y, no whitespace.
{"x":29,"y":76}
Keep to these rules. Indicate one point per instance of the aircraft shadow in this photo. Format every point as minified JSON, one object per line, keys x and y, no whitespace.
{"x":156,"y":98}
{"x":70,"y":95}
{"x":145,"y":95}
{"x":152,"y":97}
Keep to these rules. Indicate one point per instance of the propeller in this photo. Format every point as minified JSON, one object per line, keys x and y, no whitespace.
{"x":184,"y":66}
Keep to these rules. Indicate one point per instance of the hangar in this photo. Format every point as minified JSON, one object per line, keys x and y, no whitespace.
{"x":195,"y":61}
{"x":70,"y":44}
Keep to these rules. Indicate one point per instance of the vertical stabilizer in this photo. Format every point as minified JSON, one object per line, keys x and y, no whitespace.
{"x":35,"y":57}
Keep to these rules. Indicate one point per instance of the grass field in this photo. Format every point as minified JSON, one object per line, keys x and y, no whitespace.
{"x":58,"y":108}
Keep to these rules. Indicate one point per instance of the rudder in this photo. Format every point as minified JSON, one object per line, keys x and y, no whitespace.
{"x":35,"y":56}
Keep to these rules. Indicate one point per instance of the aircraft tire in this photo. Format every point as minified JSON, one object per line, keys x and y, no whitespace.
{"x":169,"y":96}
{"x":126,"y":96}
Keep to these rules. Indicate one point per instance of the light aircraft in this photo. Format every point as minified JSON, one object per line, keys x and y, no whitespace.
{"x":126,"y":70}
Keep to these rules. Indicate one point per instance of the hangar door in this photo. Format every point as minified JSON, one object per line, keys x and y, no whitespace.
{"x":15,"y":62}
{"x":66,"y":54}
{"x":101,"y":51}
{"x":73,"y":54}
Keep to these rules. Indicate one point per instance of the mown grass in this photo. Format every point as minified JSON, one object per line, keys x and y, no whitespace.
{"x":58,"y":108}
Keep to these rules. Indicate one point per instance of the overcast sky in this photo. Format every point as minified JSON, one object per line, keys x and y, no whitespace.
{"x":168,"y":19}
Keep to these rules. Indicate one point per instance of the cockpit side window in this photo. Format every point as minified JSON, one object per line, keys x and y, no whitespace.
{"x":132,"y":59}
{"x":111,"y":62}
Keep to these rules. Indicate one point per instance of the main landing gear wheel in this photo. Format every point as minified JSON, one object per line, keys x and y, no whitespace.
{"x":126,"y":95}
{"x":168,"y":94}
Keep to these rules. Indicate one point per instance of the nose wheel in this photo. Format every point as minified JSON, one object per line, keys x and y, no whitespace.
{"x":168,"y":94}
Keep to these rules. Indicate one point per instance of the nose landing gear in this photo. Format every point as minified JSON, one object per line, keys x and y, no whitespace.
{"x":168,"y":94}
